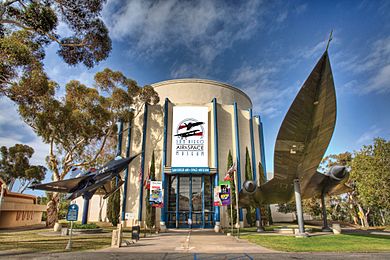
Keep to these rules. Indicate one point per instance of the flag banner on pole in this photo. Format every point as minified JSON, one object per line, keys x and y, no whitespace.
{"x":147,"y":182}
{"x":217,"y":200}
{"x":229,"y":173}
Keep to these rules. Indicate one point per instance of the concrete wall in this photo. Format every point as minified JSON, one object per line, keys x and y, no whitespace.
{"x":186,"y":92}
{"x":19,"y":210}
{"x":201,"y":91}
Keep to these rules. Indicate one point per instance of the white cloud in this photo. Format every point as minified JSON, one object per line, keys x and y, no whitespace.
{"x":381,"y":81}
{"x":282,"y":16}
{"x":300,"y":8}
{"x":372,"y":68}
{"x":369,"y":135}
{"x":314,"y":51}
{"x":265,"y":90}
{"x":205,"y":28}
{"x":14,"y":131}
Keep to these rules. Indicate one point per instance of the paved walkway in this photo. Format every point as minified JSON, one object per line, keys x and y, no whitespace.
{"x":195,"y":245}
{"x":192,"y":242}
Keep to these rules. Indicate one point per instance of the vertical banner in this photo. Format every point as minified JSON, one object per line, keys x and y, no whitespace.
{"x":217,"y":199}
{"x":222,"y":196}
{"x":225,"y":193}
{"x":156,"y":194}
{"x":190,"y":136}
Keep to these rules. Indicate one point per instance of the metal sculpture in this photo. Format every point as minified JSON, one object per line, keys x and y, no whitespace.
{"x":300,"y":146}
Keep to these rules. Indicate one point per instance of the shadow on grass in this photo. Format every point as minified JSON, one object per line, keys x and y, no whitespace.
{"x":373,"y":236}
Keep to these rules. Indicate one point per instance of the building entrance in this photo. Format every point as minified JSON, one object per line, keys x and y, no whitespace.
{"x":190,"y":201}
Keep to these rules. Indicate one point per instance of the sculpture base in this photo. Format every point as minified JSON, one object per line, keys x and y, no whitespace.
{"x":326,"y":229}
{"x":217,"y":227}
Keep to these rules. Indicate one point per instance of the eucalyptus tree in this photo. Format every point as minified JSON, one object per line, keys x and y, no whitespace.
{"x":370,"y":174}
{"x":28,"y":26}
{"x":15,"y":165}
{"x":77,"y":124}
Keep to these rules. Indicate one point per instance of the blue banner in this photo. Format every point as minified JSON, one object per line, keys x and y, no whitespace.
{"x":190,"y":170}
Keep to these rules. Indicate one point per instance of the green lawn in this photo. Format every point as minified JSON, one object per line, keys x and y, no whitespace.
{"x":323,"y":243}
{"x":34,"y":241}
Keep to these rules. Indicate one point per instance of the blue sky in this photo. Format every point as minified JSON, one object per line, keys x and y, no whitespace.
{"x":265,"y":48}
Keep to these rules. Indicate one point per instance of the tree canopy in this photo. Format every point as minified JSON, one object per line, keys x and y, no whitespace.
{"x":78,"y":124}
{"x":27,"y":27}
{"x":370,"y":174}
{"x":15,"y":165}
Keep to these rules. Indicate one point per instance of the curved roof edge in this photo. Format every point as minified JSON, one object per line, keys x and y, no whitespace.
{"x":197,"y":80}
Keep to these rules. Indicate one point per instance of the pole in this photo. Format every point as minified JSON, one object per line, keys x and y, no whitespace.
{"x":298,"y":203}
{"x":69,"y":245}
{"x":238,"y":211}
{"x":325,"y":227}
{"x":231,"y":215}
{"x":87,"y":197}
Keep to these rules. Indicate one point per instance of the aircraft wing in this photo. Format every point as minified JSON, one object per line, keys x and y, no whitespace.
{"x":65,"y":186}
{"x":107,"y":189}
{"x":302,"y":140}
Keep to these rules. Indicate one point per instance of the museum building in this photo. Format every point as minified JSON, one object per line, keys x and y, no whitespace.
{"x":190,"y":132}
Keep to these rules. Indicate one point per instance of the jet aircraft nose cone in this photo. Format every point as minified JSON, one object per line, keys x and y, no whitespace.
{"x":339,"y":171}
{"x":249,"y":186}
{"x":122,"y":163}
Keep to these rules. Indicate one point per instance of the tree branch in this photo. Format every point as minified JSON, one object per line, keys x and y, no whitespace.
{"x":99,"y":151}
{"x":81,"y":44}
{"x":7,"y":3}
{"x":53,"y":161}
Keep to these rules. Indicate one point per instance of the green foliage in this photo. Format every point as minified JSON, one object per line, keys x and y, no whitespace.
{"x":287,"y":207}
{"x":248,"y":168}
{"x":84,"y":226}
{"x":28,"y":27}
{"x":150,"y":211}
{"x":15,"y":165}
{"x":312,"y":207}
{"x":343,"y":159}
{"x":370,"y":175}
{"x":79,"y":125}
{"x":113,"y":206}
{"x":250,"y":211}
{"x":341,"y":243}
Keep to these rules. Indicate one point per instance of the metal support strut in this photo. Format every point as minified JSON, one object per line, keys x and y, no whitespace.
{"x":298,"y":203}
{"x":325,"y":227}
{"x":87,"y":197}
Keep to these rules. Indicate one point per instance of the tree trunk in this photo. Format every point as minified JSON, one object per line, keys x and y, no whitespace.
{"x":101,"y":203}
{"x":11,"y":184}
{"x":52,"y":210}
{"x":382,"y":217}
{"x":362,"y":216}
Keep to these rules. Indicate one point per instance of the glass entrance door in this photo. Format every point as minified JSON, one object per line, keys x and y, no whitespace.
{"x":190,"y":201}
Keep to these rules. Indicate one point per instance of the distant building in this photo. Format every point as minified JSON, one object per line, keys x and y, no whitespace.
{"x":191,"y":132}
{"x":18,"y":210}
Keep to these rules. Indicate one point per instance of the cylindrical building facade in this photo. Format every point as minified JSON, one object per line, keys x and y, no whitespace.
{"x":191,"y":132}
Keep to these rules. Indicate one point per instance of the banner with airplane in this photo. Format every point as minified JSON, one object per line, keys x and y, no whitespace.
{"x":190,"y":136}
{"x":156,"y":194}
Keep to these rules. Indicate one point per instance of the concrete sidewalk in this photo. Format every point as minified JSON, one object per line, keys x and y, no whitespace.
{"x":198,"y":241}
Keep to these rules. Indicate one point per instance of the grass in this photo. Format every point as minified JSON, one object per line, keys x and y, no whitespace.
{"x":323,"y":243}
{"x":34,"y":241}
{"x":45,"y":240}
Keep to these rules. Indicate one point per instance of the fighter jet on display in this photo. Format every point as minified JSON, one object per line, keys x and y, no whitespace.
{"x":301,"y":143}
{"x":190,"y":125}
{"x":92,"y":182}
{"x":189,"y":133}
